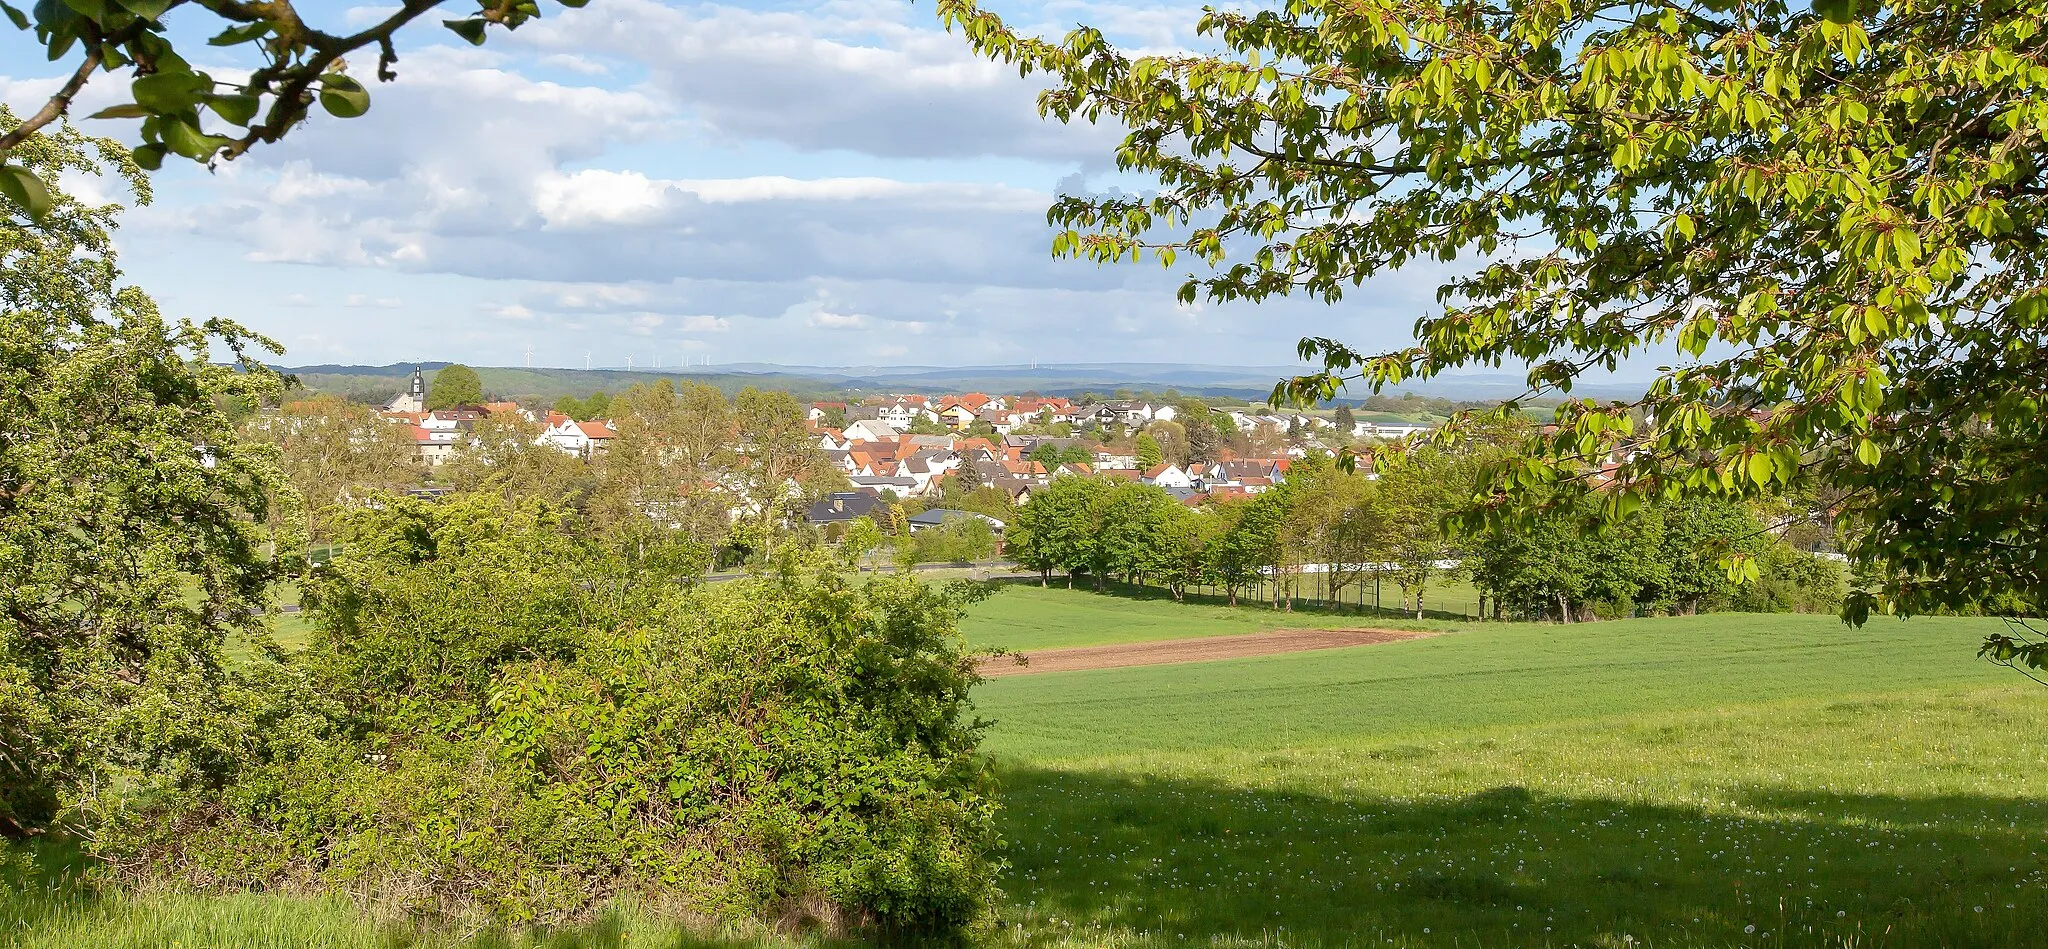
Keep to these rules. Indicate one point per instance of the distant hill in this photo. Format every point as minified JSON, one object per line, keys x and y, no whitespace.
{"x":377,"y":383}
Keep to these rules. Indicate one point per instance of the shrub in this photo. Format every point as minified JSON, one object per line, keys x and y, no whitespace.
{"x":504,"y":721}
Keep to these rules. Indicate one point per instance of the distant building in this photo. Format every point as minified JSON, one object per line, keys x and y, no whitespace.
{"x":840,"y":507}
{"x":413,"y":399}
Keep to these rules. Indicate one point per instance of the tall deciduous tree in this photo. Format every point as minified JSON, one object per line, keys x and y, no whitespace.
{"x":1828,"y":216}
{"x":455,"y":385}
{"x":338,"y":454}
{"x":132,"y":517}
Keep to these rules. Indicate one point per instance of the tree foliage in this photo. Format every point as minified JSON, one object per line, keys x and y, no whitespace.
{"x":336,"y":454}
{"x":454,"y":385}
{"x":499,"y":718}
{"x":132,"y":517}
{"x":1827,"y":216}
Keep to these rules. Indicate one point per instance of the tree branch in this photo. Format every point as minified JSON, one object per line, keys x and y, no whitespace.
{"x":59,"y":103}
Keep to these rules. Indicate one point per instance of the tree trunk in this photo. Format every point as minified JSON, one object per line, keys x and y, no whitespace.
{"x":1564,"y":609}
{"x":1418,"y":601}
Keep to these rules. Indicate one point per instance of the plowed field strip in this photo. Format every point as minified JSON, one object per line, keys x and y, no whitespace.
{"x":1202,"y":649}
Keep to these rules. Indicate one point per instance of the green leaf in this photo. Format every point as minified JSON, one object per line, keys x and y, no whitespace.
{"x":170,"y":93}
{"x":1867,"y":451}
{"x":150,"y":10}
{"x":25,"y":190}
{"x":236,"y":109}
{"x":150,"y":157}
{"x":19,"y":19}
{"x":127,"y":111}
{"x":186,"y":139}
{"x":95,"y":9}
{"x":342,"y":97}
{"x":235,"y":35}
{"x":471,"y":30}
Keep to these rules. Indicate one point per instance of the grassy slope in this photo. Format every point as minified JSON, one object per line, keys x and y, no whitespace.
{"x":1713,"y":781}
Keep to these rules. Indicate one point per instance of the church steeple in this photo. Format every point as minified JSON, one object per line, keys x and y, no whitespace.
{"x":419,"y":386}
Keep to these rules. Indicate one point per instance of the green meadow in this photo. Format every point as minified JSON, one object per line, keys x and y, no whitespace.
{"x":1734,"y":780}
{"x":1716,"y":781}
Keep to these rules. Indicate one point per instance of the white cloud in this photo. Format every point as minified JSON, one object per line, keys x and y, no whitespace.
{"x":836,"y":321}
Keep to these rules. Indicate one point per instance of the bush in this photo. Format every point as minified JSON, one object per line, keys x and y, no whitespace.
{"x":495,"y":719}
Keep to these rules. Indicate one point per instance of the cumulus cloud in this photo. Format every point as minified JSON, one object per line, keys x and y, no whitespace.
{"x":877,"y":78}
{"x":795,"y":185}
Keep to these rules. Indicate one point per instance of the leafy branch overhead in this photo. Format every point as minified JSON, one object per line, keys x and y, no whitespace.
{"x":194,"y":114}
{"x":1827,"y":218}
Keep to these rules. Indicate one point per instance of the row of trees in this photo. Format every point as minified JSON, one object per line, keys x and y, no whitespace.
{"x":1348,"y":528}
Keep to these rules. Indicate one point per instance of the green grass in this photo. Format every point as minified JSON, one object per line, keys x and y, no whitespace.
{"x":1699,"y":782}
{"x":1718,"y":781}
{"x":1026,"y":616}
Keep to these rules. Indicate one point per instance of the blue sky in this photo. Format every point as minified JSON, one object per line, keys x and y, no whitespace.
{"x":835,"y":183}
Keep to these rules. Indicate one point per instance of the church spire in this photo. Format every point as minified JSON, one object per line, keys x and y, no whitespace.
{"x":419,"y":385}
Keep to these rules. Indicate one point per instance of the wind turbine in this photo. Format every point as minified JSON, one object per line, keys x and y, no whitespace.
{"x":586,"y":359}
{"x":529,"y":354}
{"x":629,"y":362}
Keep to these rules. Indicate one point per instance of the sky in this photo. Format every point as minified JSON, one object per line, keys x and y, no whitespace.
{"x":804,"y":183}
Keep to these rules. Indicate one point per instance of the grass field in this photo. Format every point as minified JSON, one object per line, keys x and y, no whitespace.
{"x":1026,"y":616}
{"x":1711,"y":781}
{"x":1718,"y":781}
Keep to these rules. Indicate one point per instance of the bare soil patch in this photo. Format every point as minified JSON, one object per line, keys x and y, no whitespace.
{"x":1201,"y":649}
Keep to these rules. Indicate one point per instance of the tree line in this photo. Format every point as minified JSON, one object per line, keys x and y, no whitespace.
{"x":1344,"y":528}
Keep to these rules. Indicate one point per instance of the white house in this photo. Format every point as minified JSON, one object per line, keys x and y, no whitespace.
{"x":1167,"y":476}
{"x":870,"y":430}
{"x":1387,"y":430}
{"x":581,"y":439}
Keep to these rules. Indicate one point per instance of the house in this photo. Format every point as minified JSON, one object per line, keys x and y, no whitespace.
{"x":1387,"y":431}
{"x":877,"y":484}
{"x":1136,"y":414}
{"x":937,"y":517}
{"x":581,"y":439}
{"x":819,"y":410}
{"x":1106,"y":459}
{"x":871,"y":431}
{"x":1167,"y":476}
{"x":957,"y":415}
{"x":434,"y":445}
{"x":840,"y":507}
{"x":904,"y":411}
{"x":413,"y":399}
{"x":1096,"y":416}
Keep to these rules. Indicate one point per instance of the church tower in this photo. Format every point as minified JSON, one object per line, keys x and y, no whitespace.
{"x":413,"y":399}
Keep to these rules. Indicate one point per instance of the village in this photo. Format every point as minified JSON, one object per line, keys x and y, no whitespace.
{"x":907,"y":446}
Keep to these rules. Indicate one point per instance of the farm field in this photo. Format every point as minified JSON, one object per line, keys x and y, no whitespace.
{"x":1715,"y":781}
{"x":1732,"y":780}
{"x":1025,"y":616}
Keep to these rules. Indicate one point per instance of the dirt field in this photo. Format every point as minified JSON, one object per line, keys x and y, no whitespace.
{"x":1189,"y":650}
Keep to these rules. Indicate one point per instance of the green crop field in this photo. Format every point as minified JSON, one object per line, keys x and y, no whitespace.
{"x":1715,"y":781}
{"x":1026,"y":616}
{"x":1731,"y":780}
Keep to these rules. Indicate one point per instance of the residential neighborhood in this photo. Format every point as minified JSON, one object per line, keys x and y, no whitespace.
{"x":904,"y":446}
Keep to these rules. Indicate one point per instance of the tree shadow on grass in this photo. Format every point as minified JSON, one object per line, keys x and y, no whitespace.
{"x":1172,"y":861}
